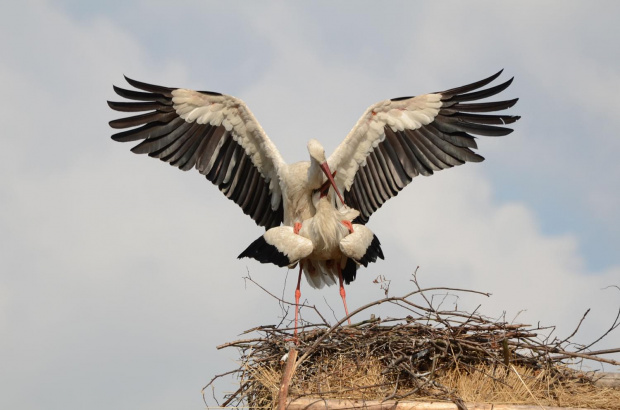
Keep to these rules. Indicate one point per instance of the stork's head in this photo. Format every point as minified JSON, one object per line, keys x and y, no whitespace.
{"x":316,"y":151}
{"x":317,"y":154}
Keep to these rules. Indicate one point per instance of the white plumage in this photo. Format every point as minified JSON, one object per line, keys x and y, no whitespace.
{"x":288,"y":243}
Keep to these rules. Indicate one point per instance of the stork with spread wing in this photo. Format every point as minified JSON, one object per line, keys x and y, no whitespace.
{"x":393,"y":142}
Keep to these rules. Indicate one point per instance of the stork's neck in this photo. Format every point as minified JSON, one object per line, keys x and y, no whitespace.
{"x":297,"y":193}
{"x":315,"y":175}
{"x":325,"y":208}
{"x":326,"y":225}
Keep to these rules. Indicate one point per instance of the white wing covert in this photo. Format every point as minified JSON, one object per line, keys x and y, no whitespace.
{"x":214,"y":133}
{"x":398,"y":139}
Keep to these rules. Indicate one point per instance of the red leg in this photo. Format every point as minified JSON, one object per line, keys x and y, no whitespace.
{"x":349,"y":225}
{"x":297,"y":296}
{"x":296,"y":228}
{"x":343,"y":294}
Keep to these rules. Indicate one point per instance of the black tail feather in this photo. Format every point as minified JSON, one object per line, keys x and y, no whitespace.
{"x":265,"y":253}
{"x":350,"y":271}
{"x":373,"y":252}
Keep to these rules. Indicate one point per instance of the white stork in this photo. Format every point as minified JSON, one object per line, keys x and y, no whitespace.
{"x":327,"y":246}
{"x":393,"y":142}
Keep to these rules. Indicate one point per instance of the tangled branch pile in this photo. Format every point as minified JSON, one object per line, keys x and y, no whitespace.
{"x":430,"y":354}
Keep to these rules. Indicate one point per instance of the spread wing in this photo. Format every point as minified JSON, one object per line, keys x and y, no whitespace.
{"x":214,"y":133}
{"x":398,"y":139}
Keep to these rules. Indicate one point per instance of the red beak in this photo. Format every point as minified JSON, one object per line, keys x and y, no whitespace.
{"x":324,"y":189}
{"x":330,"y":179}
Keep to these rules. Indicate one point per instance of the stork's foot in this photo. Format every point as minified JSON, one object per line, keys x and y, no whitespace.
{"x":296,"y":228}
{"x":343,"y":294}
{"x":297,"y":293}
{"x":349,"y":225}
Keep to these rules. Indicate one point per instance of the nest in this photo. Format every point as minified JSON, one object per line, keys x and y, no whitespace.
{"x":429,"y":355}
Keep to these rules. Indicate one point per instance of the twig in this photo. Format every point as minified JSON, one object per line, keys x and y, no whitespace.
{"x":614,"y":325}
{"x":242,"y":341}
{"x":577,"y":328}
{"x":285,"y":302}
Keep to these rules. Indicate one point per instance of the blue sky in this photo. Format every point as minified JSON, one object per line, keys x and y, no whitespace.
{"x":120,"y":273}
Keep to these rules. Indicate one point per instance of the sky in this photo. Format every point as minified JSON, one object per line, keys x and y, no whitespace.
{"x":119,"y":274}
